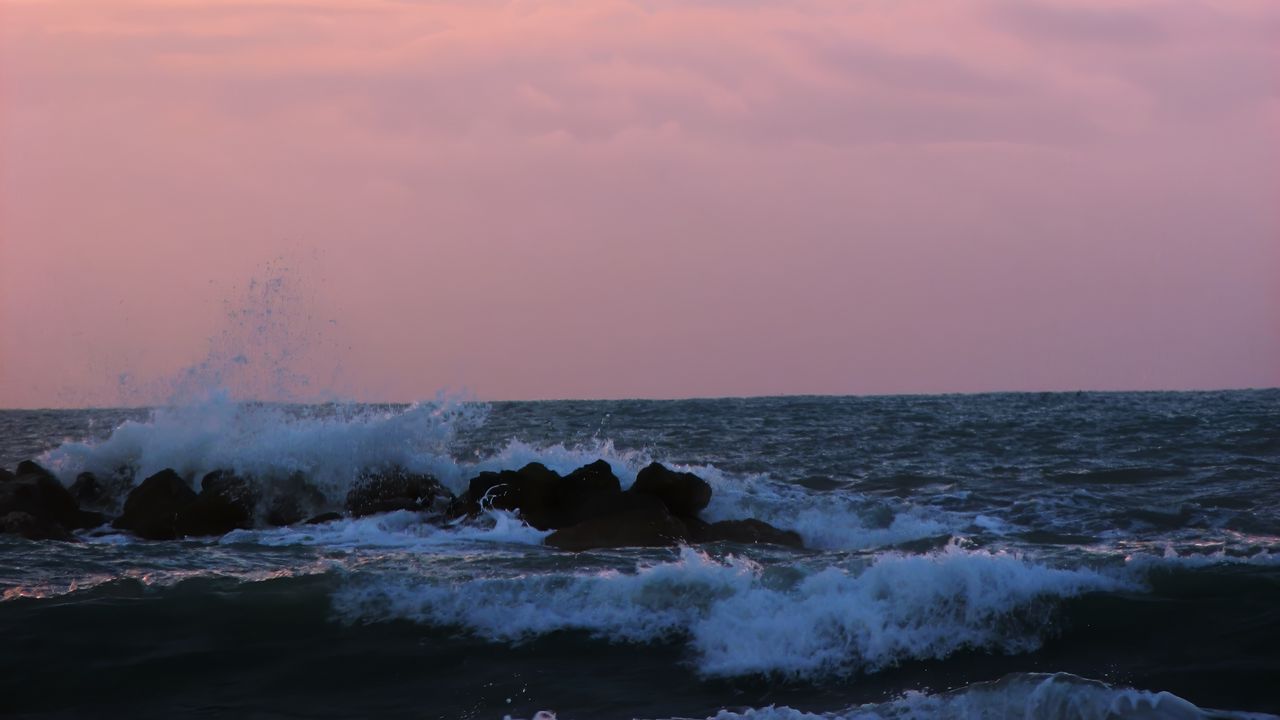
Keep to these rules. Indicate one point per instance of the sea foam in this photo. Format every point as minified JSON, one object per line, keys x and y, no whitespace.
{"x":331,"y":445}
{"x":1031,"y":696}
{"x":741,"y":618}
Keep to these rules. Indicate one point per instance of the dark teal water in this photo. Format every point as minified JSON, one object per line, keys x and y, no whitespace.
{"x":1131,"y":539}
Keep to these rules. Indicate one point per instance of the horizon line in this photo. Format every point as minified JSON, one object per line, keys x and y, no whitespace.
{"x":689,"y":398}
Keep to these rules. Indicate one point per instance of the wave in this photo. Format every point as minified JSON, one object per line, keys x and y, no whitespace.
{"x":742,"y":618}
{"x":777,"y":632}
{"x":331,"y":445}
{"x":402,"y":530}
{"x":1031,"y":696}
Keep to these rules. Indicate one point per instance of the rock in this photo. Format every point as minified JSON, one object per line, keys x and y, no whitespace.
{"x":86,"y":489}
{"x":644,"y":522}
{"x":748,"y":532}
{"x":324,"y":518}
{"x":395,"y":489}
{"x":36,"y":492}
{"x":225,"y":503}
{"x":102,"y":494}
{"x":6,"y":476}
{"x":684,"y":494}
{"x":544,"y":499}
{"x":32,"y":528}
{"x":531,"y":490}
{"x":590,"y":491}
{"x":151,"y":510}
{"x":29,"y":467}
{"x":291,"y":500}
{"x":698,"y":528}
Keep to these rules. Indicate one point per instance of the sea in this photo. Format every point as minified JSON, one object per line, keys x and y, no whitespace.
{"x":1029,"y":555}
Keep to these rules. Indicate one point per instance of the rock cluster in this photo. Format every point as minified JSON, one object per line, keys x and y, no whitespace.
{"x":588,"y":509}
{"x":585,"y":509}
{"x":35,"y":505}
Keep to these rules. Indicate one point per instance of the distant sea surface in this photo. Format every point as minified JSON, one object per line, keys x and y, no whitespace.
{"x":1091,"y":555}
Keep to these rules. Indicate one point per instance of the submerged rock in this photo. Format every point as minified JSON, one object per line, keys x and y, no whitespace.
{"x":684,"y":494}
{"x":225,"y":503}
{"x":151,"y":510}
{"x":395,"y":489}
{"x":750,"y":531}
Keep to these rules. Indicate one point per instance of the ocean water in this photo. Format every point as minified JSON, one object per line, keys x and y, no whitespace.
{"x":1082,"y":555}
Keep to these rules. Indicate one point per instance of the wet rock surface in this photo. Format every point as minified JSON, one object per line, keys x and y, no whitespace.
{"x":226,"y":502}
{"x":151,"y":510}
{"x":585,"y":509}
{"x":588,"y":509}
{"x":395,"y":489}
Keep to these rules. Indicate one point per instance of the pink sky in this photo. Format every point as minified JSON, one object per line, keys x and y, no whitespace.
{"x":590,"y":198}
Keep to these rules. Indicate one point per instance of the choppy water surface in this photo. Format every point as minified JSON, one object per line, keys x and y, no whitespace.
{"x":1055,"y":555}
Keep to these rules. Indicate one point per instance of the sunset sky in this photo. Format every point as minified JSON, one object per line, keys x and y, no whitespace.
{"x":595,"y":198}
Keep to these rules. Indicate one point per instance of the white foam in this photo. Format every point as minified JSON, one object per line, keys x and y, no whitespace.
{"x":162,"y":578}
{"x":331,"y":445}
{"x":900,"y":607}
{"x":402,"y":530}
{"x":741,"y":618}
{"x":825,"y":521}
{"x":1030,"y":696}
{"x":1171,"y":558}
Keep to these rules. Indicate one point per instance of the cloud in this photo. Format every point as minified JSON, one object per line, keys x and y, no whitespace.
{"x":649,"y":198}
{"x":1080,"y":24}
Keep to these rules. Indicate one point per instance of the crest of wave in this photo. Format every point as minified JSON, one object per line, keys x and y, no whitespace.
{"x":1032,"y":696}
{"x":329,"y":444}
{"x":745,"y":619}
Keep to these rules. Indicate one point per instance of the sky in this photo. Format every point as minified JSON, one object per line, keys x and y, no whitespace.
{"x":386,"y":199}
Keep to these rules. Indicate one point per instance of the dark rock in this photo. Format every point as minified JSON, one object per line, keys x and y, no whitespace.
{"x":590,"y":491}
{"x":30,"y":467}
{"x":103,"y":493}
{"x":90,"y":519}
{"x":531,"y":490}
{"x":226,"y":502}
{"x":151,"y":510}
{"x":86,"y":489}
{"x":698,"y":528}
{"x":324,"y":518}
{"x":645,"y":522}
{"x":32,"y":528}
{"x":6,"y":476}
{"x":38,"y":493}
{"x":394,"y":489}
{"x":684,"y":494}
{"x":543,"y":498}
{"x":750,"y":531}
{"x":292,"y":499}
{"x":924,"y":545}
{"x":461,"y":506}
